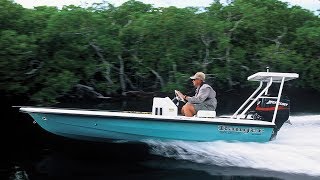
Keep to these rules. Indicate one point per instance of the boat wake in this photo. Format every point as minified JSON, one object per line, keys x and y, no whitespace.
{"x":296,"y":150}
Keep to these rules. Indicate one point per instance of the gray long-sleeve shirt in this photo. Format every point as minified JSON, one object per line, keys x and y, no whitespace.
{"x":204,"y":95}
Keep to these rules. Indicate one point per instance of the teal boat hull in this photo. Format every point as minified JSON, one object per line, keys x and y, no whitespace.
{"x":102,"y":128}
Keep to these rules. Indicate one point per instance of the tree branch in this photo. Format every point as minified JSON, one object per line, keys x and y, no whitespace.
{"x":107,"y":65}
{"x":121,"y":74}
{"x":158,"y":76}
{"x":278,"y":39}
{"x":34,"y":70}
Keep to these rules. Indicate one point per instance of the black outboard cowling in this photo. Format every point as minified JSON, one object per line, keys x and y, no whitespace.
{"x":265,"y":109}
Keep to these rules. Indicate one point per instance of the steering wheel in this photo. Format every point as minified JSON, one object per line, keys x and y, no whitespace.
{"x":179,"y":96}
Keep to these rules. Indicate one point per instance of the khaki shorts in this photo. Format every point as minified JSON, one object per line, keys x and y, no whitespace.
{"x":201,"y":106}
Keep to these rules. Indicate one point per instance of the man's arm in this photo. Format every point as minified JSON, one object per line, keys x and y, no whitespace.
{"x":202,"y":96}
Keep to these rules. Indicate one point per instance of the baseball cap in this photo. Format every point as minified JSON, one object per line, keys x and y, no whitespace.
{"x":199,"y":75}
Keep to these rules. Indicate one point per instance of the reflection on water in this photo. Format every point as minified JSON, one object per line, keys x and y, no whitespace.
{"x":19,"y":174}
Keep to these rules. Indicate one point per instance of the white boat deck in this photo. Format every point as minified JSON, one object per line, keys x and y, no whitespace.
{"x":139,"y":115}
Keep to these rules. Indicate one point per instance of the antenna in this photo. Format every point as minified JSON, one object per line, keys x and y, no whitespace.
{"x":266,"y":93}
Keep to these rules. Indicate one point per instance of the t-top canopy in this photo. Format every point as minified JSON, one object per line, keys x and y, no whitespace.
{"x":276,"y":77}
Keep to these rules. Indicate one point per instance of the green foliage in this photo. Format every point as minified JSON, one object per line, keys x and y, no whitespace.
{"x":45,"y":51}
{"x":176,"y":81}
{"x":16,"y":55}
{"x":54,"y":87}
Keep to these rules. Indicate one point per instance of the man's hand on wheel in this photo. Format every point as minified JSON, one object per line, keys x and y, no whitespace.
{"x":180,"y":95}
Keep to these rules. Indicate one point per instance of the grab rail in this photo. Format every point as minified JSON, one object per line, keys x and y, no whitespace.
{"x":264,"y":90}
{"x":253,"y":94}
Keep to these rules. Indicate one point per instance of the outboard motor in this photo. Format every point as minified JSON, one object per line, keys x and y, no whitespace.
{"x":265,"y":109}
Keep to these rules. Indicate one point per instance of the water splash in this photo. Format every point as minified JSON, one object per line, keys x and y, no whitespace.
{"x":19,"y":174}
{"x":295,"y":150}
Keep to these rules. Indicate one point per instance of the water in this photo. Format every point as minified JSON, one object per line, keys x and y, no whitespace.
{"x":31,"y":153}
{"x":295,"y":151}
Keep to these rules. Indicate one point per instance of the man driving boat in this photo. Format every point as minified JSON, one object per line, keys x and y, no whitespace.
{"x":204,"y":98}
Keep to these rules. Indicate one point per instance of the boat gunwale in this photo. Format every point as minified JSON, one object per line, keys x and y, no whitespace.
{"x":182,"y":119}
